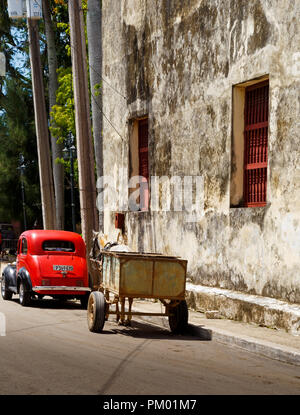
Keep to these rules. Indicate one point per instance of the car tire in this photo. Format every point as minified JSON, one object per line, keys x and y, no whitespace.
{"x":24,"y":295}
{"x":6,"y":295}
{"x":178,"y":320}
{"x":96,"y":309}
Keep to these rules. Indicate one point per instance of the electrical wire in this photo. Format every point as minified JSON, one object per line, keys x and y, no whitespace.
{"x":107,"y":118}
{"x":104,"y":80}
{"x":102,"y":112}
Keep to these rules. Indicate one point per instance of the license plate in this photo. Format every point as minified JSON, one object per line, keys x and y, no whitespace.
{"x":62,"y":267}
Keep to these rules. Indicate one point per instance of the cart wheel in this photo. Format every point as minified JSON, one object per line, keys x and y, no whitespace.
{"x":96,"y":311}
{"x":178,"y":321}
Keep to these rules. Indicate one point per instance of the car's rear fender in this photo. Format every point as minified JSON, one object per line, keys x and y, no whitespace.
{"x":24,"y":276}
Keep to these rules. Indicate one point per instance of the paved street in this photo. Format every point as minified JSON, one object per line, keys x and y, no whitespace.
{"x":49,"y":350}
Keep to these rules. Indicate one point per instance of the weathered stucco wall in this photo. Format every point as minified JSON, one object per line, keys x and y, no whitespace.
{"x":177,"y":61}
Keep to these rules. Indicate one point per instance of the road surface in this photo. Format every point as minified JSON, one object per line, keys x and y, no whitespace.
{"x":48,"y":349}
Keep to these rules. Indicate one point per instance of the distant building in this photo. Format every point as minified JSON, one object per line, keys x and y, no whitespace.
{"x":209,"y":88}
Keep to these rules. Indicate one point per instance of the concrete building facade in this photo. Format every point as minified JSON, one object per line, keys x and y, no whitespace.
{"x":189,"y":67}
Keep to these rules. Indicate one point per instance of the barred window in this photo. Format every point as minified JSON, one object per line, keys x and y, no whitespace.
{"x":256,"y":144}
{"x":144,"y":164}
{"x":139,"y":164}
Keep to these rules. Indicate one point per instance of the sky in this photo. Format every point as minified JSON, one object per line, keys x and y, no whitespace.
{"x":19,"y":58}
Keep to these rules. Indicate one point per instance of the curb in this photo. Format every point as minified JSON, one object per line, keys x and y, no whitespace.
{"x":260,"y":347}
{"x":234,"y":305}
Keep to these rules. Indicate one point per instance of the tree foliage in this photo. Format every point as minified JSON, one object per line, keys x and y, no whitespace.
{"x":17,"y":130}
{"x":17,"y":126}
{"x":17,"y":135}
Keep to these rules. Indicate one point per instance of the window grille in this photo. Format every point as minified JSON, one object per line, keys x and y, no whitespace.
{"x":144,"y":164}
{"x":256,"y":144}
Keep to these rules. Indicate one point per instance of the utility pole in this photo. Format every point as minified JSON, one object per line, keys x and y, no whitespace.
{"x":69,"y":152}
{"x":94,"y":35}
{"x":41,"y":125}
{"x":2,"y":64}
{"x":56,"y":148}
{"x":85,"y":153}
{"x":22,"y":168}
{"x":72,"y":190}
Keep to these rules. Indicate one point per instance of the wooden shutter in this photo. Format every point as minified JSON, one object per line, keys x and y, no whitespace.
{"x":144,"y":164}
{"x":256,"y":144}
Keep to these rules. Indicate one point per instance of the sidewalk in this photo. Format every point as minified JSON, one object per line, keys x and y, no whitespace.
{"x":275,"y":344}
{"x":249,"y":308}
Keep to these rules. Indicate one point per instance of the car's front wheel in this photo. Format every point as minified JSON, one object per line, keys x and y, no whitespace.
{"x":24,"y":295}
{"x":6,"y":295}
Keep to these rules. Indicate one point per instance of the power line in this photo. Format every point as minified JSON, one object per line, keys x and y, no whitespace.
{"x":107,"y":118}
{"x":114,"y":89}
{"x":102,"y":112}
{"x":104,"y":80}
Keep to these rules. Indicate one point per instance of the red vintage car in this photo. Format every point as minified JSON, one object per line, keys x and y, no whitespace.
{"x":51,"y":263}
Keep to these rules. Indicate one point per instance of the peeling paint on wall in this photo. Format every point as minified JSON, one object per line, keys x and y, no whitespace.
{"x":177,"y":61}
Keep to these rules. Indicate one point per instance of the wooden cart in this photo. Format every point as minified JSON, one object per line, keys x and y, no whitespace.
{"x":134,"y":275}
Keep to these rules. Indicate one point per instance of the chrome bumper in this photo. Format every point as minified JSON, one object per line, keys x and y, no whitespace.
{"x":59,"y":288}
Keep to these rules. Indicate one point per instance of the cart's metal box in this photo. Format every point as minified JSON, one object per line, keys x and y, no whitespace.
{"x":144,"y":275}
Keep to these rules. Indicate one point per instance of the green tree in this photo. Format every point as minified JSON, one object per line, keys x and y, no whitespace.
{"x":17,"y":130}
{"x":17,"y":135}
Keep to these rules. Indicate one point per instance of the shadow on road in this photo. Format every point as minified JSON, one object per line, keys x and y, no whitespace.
{"x":50,"y":303}
{"x":138,"y":329}
{"x":149,"y":331}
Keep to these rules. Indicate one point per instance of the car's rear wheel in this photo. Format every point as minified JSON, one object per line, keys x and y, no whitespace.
{"x":24,"y":295}
{"x":6,"y":294}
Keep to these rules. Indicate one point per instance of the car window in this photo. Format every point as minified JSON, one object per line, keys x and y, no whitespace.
{"x":58,"y":246}
{"x":24,"y":246}
{"x":19,"y":247}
